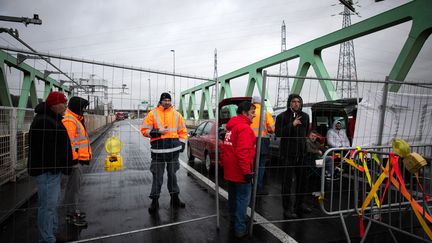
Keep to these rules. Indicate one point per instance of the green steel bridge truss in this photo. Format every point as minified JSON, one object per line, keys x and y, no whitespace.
{"x":28,"y":88}
{"x":309,"y":54}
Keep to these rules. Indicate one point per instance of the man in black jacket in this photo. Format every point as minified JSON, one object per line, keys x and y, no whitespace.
{"x":50,"y":155}
{"x":292,"y":126}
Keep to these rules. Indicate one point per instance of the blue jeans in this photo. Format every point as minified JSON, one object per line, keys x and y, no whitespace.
{"x":238,"y":201}
{"x":48,"y":185}
{"x":265,"y":143}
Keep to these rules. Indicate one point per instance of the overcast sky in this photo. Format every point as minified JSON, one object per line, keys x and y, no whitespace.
{"x":142,"y":33}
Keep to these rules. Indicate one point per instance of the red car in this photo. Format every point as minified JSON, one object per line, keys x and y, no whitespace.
{"x":201,"y":143}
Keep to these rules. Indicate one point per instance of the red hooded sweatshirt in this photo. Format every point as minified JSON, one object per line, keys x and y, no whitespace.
{"x":238,"y":149}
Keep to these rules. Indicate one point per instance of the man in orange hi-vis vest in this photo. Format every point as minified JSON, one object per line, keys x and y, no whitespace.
{"x":269,"y":127}
{"x":73,"y":120}
{"x":167,"y":132}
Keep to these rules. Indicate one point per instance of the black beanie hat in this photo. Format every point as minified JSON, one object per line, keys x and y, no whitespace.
{"x":164,"y":96}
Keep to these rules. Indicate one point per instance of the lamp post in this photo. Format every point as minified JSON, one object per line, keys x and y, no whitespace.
{"x":173,"y":51}
{"x":149,"y":94}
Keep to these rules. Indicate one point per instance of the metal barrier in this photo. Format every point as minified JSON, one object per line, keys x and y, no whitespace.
{"x":359,"y":171}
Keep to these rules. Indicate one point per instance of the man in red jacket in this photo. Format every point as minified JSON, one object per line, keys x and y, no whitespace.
{"x":238,"y":153}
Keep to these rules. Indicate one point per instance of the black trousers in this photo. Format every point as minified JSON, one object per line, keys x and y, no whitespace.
{"x":294,"y":182}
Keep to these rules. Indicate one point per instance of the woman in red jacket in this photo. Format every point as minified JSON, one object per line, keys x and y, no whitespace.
{"x":238,"y":153}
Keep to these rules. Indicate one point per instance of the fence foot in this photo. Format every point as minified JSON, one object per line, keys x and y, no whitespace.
{"x":345,"y":228}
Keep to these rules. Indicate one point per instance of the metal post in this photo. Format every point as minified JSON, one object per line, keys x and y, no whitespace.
{"x":13,"y":140}
{"x":217,"y":154}
{"x":383,"y":110}
{"x":173,"y":51}
{"x":149,"y":103}
{"x":258,"y":151}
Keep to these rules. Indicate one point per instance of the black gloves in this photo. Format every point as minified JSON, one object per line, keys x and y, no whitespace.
{"x":249,"y":178}
{"x":154,"y":133}
{"x":183,"y":147}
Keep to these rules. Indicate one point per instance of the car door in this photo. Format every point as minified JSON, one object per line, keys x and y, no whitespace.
{"x":195,"y":140}
{"x":206,"y":139}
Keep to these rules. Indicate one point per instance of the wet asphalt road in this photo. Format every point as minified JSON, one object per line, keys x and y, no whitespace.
{"x":117,"y":202}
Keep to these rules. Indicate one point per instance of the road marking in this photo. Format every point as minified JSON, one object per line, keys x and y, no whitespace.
{"x":273,"y":229}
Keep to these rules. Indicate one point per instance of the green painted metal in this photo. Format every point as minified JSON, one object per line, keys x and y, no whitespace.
{"x":28,"y":88}
{"x":419,"y":11}
{"x":206,"y":101}
{"x":5,"y":97}
{"x":191,"y":108}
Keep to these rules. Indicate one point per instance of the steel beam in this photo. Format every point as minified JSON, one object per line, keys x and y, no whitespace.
{"x":310,"y":52}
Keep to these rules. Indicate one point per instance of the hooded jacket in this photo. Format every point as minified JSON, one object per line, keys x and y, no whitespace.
{"x":293,"y":138}
{"x":238,"y":149}
{"x":49,"y":144}
{"x":337,"y":138}
{"x":74,"y":122}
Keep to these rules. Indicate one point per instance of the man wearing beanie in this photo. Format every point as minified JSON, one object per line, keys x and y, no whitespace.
{"x":82,"y":154}
{"x":50,"y":155}
{"x":167,"y":132}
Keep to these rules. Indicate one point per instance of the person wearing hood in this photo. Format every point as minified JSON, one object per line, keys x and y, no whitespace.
{"x":337,"y":136}
{"x":50,"y":156}
{"x":82,"y":153}
{"x":292,"y":127}
{"x":237,"y":158}
{"x":167,"y":132}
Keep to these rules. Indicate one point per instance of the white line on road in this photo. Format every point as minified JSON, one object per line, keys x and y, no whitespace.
{"x":273,"y":229}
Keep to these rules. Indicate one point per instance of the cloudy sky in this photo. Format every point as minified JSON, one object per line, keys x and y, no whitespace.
{"x":142,"y":33}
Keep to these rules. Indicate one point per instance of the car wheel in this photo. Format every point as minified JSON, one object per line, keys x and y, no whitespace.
{"x":189,"y":153}
{"x":208,"y":164}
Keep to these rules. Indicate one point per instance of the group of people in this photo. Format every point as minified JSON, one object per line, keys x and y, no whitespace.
{"x":297,"y":153}
{"x":58,"y":145}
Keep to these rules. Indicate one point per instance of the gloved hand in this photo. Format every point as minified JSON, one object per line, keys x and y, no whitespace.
{"x":183,"y":147}
{"x":249,"y":178}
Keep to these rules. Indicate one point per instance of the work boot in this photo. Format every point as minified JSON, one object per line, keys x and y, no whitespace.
{"x":176,"y":202}
{"x":154,"y":206}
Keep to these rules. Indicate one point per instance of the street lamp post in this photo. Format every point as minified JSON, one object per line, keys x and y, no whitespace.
{"x":149,"y":94}
{"x":173,"y":51}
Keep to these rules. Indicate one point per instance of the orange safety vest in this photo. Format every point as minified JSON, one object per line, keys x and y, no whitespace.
{"x":80,"y":142}
{"x":269,"y":123}
{"x":170,"y":119}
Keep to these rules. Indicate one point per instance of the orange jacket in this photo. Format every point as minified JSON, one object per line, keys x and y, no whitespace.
{"x":169,"y":118}
{"x":269,"y":124}
{"x":80,"y":142}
